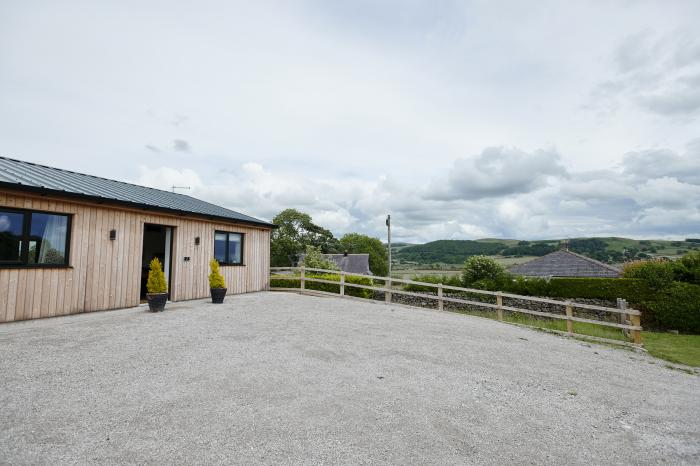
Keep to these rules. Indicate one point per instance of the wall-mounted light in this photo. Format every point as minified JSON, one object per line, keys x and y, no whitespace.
{"x":196,"y":241}
{"x":112,"y":234}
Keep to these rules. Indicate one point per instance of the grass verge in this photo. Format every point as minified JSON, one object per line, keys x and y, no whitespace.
{"x":681,"y":349}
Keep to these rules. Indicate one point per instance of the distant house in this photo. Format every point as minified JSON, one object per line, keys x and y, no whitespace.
{"x":564,"y":263}
{"x":351,"y":263}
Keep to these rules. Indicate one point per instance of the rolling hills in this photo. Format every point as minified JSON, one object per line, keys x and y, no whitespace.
{"x":611,"y":249}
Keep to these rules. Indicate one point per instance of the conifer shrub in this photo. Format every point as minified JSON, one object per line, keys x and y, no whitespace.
{"x":156,"y":278}
{"x":216,"y":280}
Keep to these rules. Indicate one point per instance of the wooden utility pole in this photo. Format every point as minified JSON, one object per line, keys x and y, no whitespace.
{"x":388,"y":230}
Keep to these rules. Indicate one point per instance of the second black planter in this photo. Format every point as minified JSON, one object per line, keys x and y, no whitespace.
{"x":217,"y":295}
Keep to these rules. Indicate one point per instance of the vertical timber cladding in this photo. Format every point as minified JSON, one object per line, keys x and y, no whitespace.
{"x":105,"y":274}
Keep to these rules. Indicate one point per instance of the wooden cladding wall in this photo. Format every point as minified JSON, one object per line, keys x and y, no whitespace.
{"x":105,"y":274}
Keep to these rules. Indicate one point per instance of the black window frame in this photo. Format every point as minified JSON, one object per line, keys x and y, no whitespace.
{"x":26,"y":236}
{"x":227,"y":233}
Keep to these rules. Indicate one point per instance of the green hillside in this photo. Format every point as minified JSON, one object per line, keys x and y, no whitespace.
{"x":611,"y":250}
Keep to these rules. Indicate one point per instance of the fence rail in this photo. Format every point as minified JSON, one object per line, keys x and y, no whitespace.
{"x":633,"y":328}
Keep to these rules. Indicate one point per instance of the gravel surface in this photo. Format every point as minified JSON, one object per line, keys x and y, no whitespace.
{"x":283,"y":378}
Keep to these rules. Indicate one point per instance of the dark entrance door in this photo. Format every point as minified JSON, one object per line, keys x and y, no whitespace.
{"x":157,"y":242}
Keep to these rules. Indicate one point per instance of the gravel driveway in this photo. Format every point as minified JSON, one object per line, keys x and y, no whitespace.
{"x":284,"y":378}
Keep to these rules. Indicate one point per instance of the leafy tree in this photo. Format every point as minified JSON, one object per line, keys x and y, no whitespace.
{"x":216,"y":280}
{"x":355,"y":243}
{"x":481,"y":268}
{"x":296,"y":231}
{"x":315,"y":260}
{"x":656,"y":273}
{"x":687,"y":268}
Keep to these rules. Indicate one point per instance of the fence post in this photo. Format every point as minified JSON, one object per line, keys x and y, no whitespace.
{"x":387,"y":294}
{"x":499,"y":303}
{"x":342,"y":283}
{"x":636,"y":335}
{"x":569,"y":322}
{"x":303,"y":280}
{"x":624,"y":318}
{"x":440,"y":303}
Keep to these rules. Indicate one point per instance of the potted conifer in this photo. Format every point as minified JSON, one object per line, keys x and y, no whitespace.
{"x":216,"y":283}
{"x":157,"y":287}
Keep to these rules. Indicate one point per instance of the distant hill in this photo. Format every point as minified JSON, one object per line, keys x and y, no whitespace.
{"x":610,"y":250}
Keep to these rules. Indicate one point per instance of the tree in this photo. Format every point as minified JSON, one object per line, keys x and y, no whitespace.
{"x":315,"y":260}
{"x":481,"y":268}
{"x":687,"y":268}
{"x":355,"y":243}
{"x":296,"y":231}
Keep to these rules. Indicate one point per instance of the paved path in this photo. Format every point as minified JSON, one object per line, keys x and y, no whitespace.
{"x":283,"y":378}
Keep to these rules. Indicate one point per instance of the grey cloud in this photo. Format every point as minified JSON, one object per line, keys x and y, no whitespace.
{"x":152,"y":148}
{"x":650,"y":164}
{"x":657,"y":73}
{"x":497,"y":171}
{"x":634,"y":52}
{"x":180,"y":145}
{"x":682,"y":99}
{"x":179,"y":120}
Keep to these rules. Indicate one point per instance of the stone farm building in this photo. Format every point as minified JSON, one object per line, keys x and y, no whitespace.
{"x":72,"y":243}
{"x":564,"y":263}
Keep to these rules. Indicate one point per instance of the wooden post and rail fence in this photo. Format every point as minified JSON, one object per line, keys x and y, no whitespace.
{"x":629,"y":318}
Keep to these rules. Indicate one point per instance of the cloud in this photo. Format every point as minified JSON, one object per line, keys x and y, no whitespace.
{"x":656,"y":72}
{"x":501,"y":192}
{"x":659,"y":163}
{"x":180,"y":145}
{"x":498,"y":171}
{"x":152,"y":148}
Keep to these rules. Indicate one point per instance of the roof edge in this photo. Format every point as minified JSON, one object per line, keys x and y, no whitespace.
{"x":145,"y":207}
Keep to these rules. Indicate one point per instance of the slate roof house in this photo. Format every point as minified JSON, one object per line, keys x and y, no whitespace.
{"x":351,"y":263}
{"x":72,"y":243}
{"x":564,"y":263}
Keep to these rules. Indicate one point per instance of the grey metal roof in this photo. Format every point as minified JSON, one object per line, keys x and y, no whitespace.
{"x":352,"y":263}
{"x":565,"y":263}
{"x":29,"y":176}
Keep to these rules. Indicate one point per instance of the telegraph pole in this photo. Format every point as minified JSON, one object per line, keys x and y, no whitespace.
{"x":388,"y":231}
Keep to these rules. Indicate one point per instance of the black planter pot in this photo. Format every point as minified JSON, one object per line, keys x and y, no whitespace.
{"x":156,"y":301}
{"x":217,"y":295}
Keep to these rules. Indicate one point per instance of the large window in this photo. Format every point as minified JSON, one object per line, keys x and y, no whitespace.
{"x":33,"y":238}
{"x":228,"y":248}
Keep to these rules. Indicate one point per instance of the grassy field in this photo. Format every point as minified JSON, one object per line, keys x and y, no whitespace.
{"x":410,"y":270}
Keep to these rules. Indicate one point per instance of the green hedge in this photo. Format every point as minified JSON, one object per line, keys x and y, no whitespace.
{"x":295,"y":282}
{"x":632,"y":290}
{"x":675,"y":307}
{"x":453,"y":280}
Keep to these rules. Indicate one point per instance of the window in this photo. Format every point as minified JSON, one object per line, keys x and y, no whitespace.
{"x":228,"y":248}
{"x":33,"y":238}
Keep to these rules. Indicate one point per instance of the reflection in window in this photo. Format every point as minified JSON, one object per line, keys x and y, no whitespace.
{"x":47,"y":240}
{"x":33,"y":238}
{"x":11,"y":227}
{"x":228,"y":248}
{"x":220,"y":240}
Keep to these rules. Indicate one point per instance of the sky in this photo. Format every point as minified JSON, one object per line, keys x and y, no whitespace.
{"x":462,"y":119}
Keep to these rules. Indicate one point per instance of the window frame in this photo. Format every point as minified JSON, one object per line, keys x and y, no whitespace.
{"x":23,"y":262}
{"x":228,"y":242}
